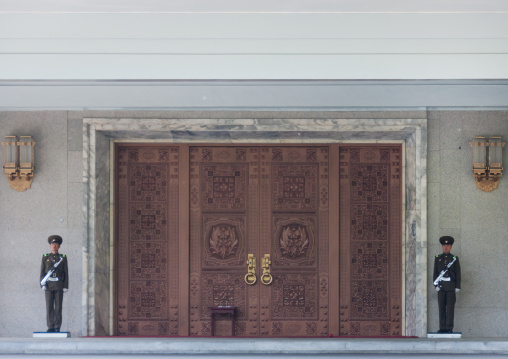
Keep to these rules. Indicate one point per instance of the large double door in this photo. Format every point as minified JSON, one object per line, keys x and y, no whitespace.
{"x":299,"y":240}
{"x":259,"y":239}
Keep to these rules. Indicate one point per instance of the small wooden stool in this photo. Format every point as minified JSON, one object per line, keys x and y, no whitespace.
{"x":223,"y":310}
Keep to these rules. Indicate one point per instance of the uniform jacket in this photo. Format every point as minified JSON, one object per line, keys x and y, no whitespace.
{"x":440,"y":263}
{"x":61,"y":272}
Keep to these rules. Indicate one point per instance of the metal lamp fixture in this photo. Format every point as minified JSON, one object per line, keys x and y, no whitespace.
{"x":19,"y":161}
{"x":487,"y":162}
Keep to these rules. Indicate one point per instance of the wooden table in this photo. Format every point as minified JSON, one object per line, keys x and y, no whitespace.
{"x":223,"y":310}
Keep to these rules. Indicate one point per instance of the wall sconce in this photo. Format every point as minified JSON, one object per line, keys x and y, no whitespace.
{"x":19,"y":161}
{"x":487,"y":162}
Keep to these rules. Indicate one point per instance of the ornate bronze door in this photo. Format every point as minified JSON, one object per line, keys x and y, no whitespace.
{"x":301,"y":240}
{"x":370,"y":241}
{"x":270,"y":203}
{"x":149,"y":212}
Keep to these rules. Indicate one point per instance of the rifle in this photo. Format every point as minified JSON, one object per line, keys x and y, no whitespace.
{"x":438,"y":280}
{"x":50,"y":273}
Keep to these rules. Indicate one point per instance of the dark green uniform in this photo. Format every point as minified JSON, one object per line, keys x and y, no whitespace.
{"x":446,"y":295}
{"x":55,"y":286}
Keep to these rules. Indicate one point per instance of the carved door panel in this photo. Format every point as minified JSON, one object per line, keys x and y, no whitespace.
{"x":147,"y":271}
{"x":370,"y":240}
{"x":224,"y":217}
{"x":294,"y":232}
{"x":259,"y":200}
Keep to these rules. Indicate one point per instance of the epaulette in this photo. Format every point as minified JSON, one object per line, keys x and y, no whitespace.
{"x":62,"y":255}
{"x":45,"y":255}
{"x":439,"y":255}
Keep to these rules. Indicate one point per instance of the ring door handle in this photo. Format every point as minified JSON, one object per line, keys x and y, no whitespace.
{"x":250,"y":277}
{"x":266,"y":278}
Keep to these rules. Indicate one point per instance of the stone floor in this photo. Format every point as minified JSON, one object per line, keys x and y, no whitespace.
{"x":248,"y":347}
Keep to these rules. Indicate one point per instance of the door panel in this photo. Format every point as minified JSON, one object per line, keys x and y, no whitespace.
{"x":147,"y":277}
{"x":370,"y":241}
{"x":294,"y":231}
{"x":223,"y":231}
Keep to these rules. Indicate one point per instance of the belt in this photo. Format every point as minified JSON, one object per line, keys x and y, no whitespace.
{"x":446,"y":279}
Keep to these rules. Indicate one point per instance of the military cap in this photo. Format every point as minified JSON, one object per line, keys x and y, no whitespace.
{"x":55,"y":239}
{"x":446,"y":240}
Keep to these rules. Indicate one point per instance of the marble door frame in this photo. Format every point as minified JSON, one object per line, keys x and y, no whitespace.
{"x":100,"y":134}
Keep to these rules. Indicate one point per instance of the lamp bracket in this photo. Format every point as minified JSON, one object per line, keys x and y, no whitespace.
{"x":486,"y":184}
{"x":20,"y":184}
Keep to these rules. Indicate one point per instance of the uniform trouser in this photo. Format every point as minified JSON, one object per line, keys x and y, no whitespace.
{"x":54,"y":299}
{"x":446,"y":301}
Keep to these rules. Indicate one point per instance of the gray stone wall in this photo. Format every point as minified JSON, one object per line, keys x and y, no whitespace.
{"x":54,"y":206}
{"x":477,"y":220}
{"x":51,"y":206}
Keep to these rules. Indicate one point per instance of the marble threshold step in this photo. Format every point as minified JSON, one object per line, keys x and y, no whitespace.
{"x":251,"y":346}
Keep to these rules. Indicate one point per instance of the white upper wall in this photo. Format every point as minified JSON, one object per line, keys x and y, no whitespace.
{"x":253,"y":46}
{"x":155,"y":40}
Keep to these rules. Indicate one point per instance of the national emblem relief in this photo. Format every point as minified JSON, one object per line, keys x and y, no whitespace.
{"x":223,"y":240}
{"x":294,"y":241}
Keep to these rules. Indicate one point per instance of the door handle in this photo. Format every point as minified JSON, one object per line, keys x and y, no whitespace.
{"x":266,"y":278}
{"x":250,"y":277}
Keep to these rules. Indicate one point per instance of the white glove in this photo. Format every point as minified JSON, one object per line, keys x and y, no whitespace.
{"x":438,"y":289}
{"x":457,"y":290}
{"x":43,"y":287}
{"x":65,"y":290}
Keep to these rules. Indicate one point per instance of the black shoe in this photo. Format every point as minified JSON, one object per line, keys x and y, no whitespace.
{"x":449,"y":331}
{"x":57,"y":330}
{"x":50,"y":330}
{"x":442,"y":331}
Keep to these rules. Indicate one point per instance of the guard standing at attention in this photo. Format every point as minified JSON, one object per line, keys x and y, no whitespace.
{"x":447,"y":282}
{"x":54,"y":281}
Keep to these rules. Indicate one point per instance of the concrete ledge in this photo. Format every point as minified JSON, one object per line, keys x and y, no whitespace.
{"x":250,"y":346}
{"x":230,"y":95}
{"x":444,"y":335}
{"x":52,"y":335}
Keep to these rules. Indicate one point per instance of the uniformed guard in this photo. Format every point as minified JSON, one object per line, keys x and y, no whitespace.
{"x":55,"y":281}
{"x":447,"y":282}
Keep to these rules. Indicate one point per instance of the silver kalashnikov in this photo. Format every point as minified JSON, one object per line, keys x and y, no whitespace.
{"x":50,"y":273}
{"x":438,"y":280}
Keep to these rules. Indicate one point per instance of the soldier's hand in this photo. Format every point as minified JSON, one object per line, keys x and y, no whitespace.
{"x":438,"y":289}
{"x":44,"y":287}
{"x":457,"y":290}
{"x":65,"y":290}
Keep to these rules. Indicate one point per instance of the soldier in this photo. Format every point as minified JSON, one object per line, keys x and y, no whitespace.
{"x":448,"y":285}
{"x":56,"y":284}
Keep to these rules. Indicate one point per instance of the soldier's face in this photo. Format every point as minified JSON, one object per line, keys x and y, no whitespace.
{"x":54,"y":247}
{"x":447,"y":248}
